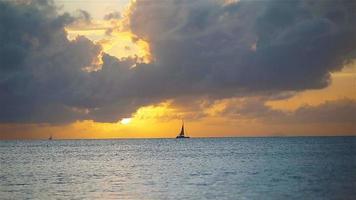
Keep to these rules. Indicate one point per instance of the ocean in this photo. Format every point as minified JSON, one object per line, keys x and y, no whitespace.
{"x":197,"y":168}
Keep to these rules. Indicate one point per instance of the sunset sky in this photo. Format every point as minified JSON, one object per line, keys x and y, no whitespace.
{"x":135,"y":69}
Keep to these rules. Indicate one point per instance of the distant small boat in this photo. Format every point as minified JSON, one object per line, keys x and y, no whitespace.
{"x":181,"y":134}
{"x":50,"y":137}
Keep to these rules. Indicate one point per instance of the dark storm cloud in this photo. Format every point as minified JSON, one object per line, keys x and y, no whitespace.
{"x":201,"y":48}
{"x":41,"y":71}
{"x":250,"y":45}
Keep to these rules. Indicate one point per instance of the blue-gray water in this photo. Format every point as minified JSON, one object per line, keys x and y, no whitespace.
{"x":229,"y":168}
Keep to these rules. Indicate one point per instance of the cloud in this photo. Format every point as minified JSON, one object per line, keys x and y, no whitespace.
{"x":205,"y":48}
{"x":209,"y":46}
{"x":83,"y":15}
{"x":112,"y":15}
{"x":41,"y":71}
{"x":342,"y":111}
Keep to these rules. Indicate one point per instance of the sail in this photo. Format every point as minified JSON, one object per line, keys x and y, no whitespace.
{"x":182,"y":130}
{"x":181,"y":134}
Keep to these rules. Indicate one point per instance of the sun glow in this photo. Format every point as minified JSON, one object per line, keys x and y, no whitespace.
{"x":125,"y":121}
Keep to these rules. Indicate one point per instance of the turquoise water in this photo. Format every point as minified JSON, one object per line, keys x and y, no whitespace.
{"x":225,"y":168}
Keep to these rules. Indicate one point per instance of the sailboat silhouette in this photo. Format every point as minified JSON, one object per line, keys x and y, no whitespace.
{"x":181,"y":134}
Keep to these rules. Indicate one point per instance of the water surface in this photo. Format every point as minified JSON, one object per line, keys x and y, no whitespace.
{"x":216,"y":168}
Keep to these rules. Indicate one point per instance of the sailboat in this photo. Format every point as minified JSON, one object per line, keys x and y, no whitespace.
{"x":50,"y":137}
{"x":181,"y":134}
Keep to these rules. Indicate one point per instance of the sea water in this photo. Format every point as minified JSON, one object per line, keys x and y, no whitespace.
{"x":214,"y":168}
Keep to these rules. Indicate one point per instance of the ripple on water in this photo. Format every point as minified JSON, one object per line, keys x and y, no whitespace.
{"x":227,"y":168}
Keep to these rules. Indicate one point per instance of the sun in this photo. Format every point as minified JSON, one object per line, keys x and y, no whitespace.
{"x":125,"y":121}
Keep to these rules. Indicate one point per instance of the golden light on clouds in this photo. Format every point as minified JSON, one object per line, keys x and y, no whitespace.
{"x":114,"y":36}
{"x":126,"y":44}
{"x":121,"y":44}
{"x":162,"y":111}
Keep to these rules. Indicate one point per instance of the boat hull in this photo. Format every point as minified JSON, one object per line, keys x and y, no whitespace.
{"x":182,"y":137}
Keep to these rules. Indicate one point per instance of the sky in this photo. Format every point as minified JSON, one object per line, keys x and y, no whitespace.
{"x":100,"y":69}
